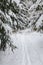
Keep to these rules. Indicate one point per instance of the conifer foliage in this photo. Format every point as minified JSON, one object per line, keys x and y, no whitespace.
{"x":6,"y":20}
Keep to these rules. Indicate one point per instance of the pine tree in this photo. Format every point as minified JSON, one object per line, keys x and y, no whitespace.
{"x":6,"y":19}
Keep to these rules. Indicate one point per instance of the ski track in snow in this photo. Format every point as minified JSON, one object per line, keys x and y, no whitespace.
{"x":29,"y":51}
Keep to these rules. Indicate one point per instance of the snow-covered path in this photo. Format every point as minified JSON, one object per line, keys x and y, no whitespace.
{"x":29,"y":51}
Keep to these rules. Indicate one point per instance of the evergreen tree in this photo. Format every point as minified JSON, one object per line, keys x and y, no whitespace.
{"x":24,"y":15}
{"x":6,"y":19}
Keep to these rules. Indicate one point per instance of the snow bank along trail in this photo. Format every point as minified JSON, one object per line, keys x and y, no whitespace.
{"x":29,"y":50}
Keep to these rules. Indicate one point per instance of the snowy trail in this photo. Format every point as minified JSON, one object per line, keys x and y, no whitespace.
{"x":26,"y":59}
{"x":29,"y":52}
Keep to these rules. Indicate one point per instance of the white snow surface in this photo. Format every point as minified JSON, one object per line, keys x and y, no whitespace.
{"x":29,"y":49}
{"x":39,"y":22}
{"x":29,"y":44}
{"x":17,"y":1}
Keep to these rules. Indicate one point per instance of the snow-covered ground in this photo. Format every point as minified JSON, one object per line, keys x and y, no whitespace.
{"x":29,"y":50}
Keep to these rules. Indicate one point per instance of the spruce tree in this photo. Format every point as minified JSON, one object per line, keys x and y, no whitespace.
{"x":5,"y":7}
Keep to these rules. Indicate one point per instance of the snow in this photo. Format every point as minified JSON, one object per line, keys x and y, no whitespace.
{"x":29,"y":49}
{"x":8,"y":18}
{"x":39,"y":22}
{"x":12,"y":14}
{"x":17,"y":1}
{"x":29,"y":44}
